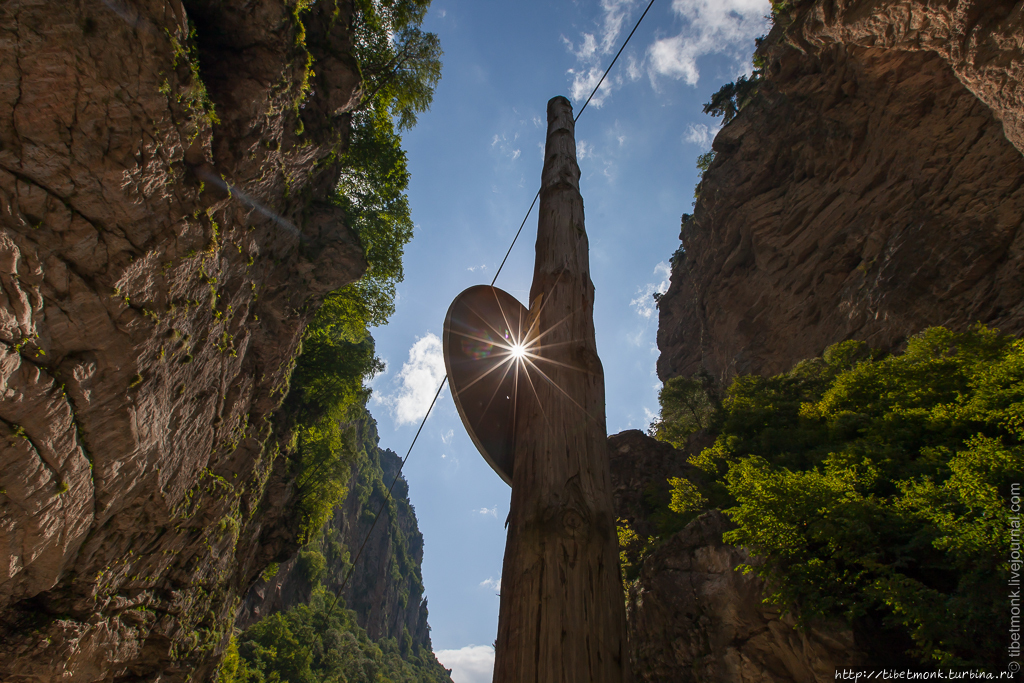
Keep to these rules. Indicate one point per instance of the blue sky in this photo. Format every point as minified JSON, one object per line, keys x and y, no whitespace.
{"x":475,"y":160}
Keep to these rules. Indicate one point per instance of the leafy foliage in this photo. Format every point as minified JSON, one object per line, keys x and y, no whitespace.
{"x":312,"y":564}
{"x":688,"y":404}
{"x":703,"y":164}
{"x":371,"y":191}
{"x":321,"y":642}
{"x":869,"y":483}
{"x":686,"y":497}
{"x":400,"y":64}
{"x":732,"y":97}
{"x":704,"y":161}
{"x":327,"y":398}
{"x":632,"y":550}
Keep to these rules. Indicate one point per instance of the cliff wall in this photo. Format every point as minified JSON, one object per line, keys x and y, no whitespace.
{"x":164,"y":236}
{"x":873,"y":187}
{"x":386,"y":586}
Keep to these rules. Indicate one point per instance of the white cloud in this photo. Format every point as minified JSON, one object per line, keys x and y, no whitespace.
{"x":473,"y":269}
{"x":492,"y":583}
{"x":633,"y":71}
{"x":419,"y":378}
{"x":675,"y":57}
{"x":446,"y":438}
{"x":601,"y":157}
{"x":712,"y":26}
{"x":506,"y":146}
{"x":584,"y":81}
{"x":636,"y":337}
{"x":701,"y":135}
{"x":614,"y":17}
{"x":644,"y":301}
{"x":590,"y":51}
{"x":587,"y":49}
{"x":470,"y":664}
{"x":493,"y":512}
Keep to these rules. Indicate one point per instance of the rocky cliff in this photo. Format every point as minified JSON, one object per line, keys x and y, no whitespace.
{"x":873,"y":187}
{"x":164,"y":236}
{"x":386,"y":586}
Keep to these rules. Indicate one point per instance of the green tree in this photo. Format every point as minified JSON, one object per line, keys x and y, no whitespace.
{"x":733,"y":97}
{"x":703,"y":164}
{"x":688,"y":404}
{"x":322,"y":642}
{"x":878,"y":484}
{"x":371,"y":191}
{"x":400,"y":64}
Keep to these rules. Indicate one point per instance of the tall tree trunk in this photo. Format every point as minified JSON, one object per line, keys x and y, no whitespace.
{"x":562,"y":615}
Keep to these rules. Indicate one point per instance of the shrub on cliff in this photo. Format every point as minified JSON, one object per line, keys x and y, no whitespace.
{"x":870,"y":484}
{"x":732,"y":97}
{"x":326,"y":400}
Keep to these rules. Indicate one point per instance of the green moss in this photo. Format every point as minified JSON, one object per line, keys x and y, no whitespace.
{"x":270,"y":572}
{"x":193,"y":95}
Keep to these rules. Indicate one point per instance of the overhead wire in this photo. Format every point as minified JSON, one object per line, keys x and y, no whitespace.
{"x":574,"y":120}
{"x":437,"y":394}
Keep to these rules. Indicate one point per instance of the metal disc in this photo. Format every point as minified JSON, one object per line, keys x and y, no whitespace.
{"x":482,"y":324}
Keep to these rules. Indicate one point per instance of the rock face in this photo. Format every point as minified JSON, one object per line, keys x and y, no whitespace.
{"x":978,"y":39}
{"x":164,"y":235}
{"x":386,"y":587}
{"x":641,"y":467}
{"x":694,"y":617}
{"x":872,"y":188}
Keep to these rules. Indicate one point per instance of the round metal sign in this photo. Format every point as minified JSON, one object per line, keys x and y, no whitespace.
{"x":483,"y":332}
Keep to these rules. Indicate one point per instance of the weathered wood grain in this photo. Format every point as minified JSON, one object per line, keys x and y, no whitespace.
{"x":562,"y":616}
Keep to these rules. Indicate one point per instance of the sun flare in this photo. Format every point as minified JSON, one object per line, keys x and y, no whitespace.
{"x":517,"y":351}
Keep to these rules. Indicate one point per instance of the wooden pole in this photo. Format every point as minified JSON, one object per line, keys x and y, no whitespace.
{"x":562,"y":616}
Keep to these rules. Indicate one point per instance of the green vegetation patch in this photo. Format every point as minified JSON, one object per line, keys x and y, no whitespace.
{"x":867,"y":484}
{"x":400,"y":65}
{"x":321,"y":641}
